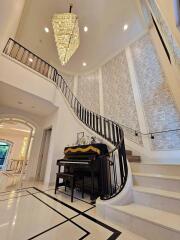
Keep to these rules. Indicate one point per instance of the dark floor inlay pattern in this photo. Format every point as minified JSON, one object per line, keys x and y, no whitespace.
{"x":115,"y":233}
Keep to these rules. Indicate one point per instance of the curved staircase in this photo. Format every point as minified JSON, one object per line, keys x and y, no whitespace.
{"x":155,"y":210}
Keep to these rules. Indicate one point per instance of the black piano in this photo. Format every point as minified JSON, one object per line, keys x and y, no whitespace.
{"x":89,"y":161}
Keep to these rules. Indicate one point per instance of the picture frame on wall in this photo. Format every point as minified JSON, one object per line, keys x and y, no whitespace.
{"x":80,"y":137}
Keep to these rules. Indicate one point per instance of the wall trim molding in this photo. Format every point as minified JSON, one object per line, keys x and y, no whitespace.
{"x":137,"y":98}
{"x":75,"y":88}
{"x":101,"y":96}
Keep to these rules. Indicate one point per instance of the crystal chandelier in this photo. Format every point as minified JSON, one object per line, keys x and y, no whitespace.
{"x":66,"y":32}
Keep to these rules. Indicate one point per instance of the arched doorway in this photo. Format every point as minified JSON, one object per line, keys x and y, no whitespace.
{"x":17,"y":136}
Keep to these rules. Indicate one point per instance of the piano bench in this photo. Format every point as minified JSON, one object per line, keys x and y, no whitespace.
{"x":72,"y":179}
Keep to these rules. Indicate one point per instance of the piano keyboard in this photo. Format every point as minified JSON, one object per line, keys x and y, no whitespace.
{"x":75,"y":162}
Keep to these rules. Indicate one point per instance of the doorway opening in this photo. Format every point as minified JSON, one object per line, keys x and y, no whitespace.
{"x":16,"y":137}
{"x":42,"y":164}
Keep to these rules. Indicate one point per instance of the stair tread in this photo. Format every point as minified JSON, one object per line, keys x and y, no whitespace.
{"x":162,"y":218}
{"x":128,"y":152}
{"x":158,"y":164}
{"x":156,"y":175}
{"x":133,"y":156}
{"x":155,"y":191}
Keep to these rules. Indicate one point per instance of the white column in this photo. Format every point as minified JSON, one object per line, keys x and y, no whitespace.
{"x":75,"y":85}
{"x":101,"y":97}
{"x":137,"y":99}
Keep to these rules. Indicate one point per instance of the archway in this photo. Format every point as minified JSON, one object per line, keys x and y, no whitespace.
{"x":17,"y":136}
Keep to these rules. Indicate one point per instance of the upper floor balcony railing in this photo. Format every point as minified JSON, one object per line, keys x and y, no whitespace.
{"x":26,"y":57}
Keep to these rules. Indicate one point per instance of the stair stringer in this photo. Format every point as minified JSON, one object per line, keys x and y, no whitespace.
{"x":123,"y":198}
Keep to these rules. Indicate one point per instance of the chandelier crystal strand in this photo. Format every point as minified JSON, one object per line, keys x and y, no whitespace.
{"x":66,"y":32}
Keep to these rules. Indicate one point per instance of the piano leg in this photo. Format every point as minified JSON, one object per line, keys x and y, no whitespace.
{"x":92,"y":197}
{"x":72,"y":188}
{"x":57,"y":183}
{"x":82,"y":186}
{"x":65,"y":183}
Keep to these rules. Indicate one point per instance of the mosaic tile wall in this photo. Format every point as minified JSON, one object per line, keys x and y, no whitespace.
{"x":119,"y":102}
{"x":69,"y":80}
{"x":160,"y":110}
{"x":88,"y":91}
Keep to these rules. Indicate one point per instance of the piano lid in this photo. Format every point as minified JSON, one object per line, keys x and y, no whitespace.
{"x":98,"y":149}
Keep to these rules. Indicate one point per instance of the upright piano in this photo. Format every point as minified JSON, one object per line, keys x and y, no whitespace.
{"x":89,"y":161}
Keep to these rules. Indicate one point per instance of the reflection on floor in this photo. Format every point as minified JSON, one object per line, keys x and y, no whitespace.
{"x":37,"y":213}
{"x":8,"y":182}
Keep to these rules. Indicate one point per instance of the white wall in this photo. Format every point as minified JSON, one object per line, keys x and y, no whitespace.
{"x":10,"y":14}
{"x":64,"y":132}
{"x":64,"y":126}
{"x":16,"y":74}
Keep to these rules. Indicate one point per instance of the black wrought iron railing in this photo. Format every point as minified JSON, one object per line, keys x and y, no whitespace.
{"x":116,"y":163}
{"x":26,"y":57}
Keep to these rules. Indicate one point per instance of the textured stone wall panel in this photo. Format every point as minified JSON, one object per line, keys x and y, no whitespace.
{"x":88,"y":91}
{"x":159,"y":107}
{"x":119,"y":104}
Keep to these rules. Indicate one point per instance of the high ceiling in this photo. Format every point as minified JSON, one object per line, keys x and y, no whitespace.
{"x":104,"y":18}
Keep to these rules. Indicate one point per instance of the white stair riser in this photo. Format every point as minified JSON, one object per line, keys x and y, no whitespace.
{"x":159,"y":183}
{"x":156,"y":201}
{"x":146,"y":229}
{"x":168,"y":170}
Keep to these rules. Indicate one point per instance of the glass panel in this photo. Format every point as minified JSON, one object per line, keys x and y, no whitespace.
{"x":4,"y":149}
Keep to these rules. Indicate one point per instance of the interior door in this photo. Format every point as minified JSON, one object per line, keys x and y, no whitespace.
{"x":44,"y":154}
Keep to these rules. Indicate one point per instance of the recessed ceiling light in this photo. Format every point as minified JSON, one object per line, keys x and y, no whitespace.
{"x":85,"y":28}
{"x":30,"y":59}
{"x":84,"y":64}
{"x":125,"y":27}
{"x":46,"y":29}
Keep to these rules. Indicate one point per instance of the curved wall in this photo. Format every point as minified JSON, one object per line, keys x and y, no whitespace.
{"x":118,"y":98}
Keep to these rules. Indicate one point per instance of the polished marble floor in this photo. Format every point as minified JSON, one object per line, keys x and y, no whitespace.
{"x":35,"y":212}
